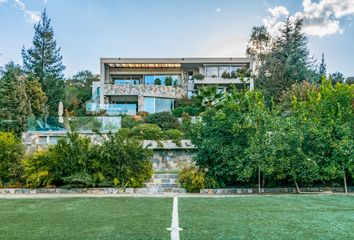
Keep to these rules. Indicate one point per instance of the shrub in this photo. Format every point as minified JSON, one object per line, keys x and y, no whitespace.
{"x":143,"y":114}
{"x":157,"y":81}
{"x":11,"y":152}
{"x":192,"y":111}
{"x":164,"y":120}
{"x":198,"y":76}
{"x":192,"y":179}
{"x":129,"y":122}
{"x":174,"y":134}
{"x":123,"y":161}
{"x":168,"y":81}
{"x":225,"y":75}
{"x":38,"y":169}
{"x":61,"y":163}
{"x":146,"y":132}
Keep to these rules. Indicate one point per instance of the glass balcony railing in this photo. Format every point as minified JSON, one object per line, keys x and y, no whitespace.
{"x":79,"y":124}
{"x":112,"y":109}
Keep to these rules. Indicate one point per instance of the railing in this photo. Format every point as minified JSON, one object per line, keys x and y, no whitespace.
{"x":112,"y":109}
{"x":80,"y":124}
{"x":220,"y":80}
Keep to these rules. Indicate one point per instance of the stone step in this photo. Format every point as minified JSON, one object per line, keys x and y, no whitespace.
{"x":161,"y":185}
{"x":163,"y":180}
{"x":170,"y":175}
{"x":157,"y":190}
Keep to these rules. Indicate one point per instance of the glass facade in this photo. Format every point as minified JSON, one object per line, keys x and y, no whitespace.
{"x":217,"y":71}
{"x":121,"y":108}
{"x":155,"y":105}
{"x":151,"y":79}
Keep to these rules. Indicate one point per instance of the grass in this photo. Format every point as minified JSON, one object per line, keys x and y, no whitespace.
{"x":243,"y":217}
{"x":85,"y":218}
{"x":268,"y":217}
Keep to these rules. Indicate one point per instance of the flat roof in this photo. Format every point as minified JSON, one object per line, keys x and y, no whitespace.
{"x":177,"y":61}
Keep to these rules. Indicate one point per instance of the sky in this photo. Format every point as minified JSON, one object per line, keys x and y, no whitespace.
{"x":87,"y":30}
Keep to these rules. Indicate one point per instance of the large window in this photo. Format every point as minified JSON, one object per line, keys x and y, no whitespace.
{"x":161,"y":79}
{"x":126,"y":80}
{"x":155,"y":105}
{"x":217,"y":71}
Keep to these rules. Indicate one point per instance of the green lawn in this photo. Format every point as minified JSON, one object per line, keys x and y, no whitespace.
{"x":242,"y":217}
{"x":85,"y":218}
{"x":267,"y":217}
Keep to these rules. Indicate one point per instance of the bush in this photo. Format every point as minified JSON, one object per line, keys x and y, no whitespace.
{"x":146,"y":132}
{"x":157,"y":81}
{"x":174,"y":134}
{"x":165,"y":120}
{"x":11,"y":152}
{"x":192,"y":111}
{"x":129,"y":122}
{"x":38,"y":169}
{"x":192,"y":179}
{"x":123,"y":161}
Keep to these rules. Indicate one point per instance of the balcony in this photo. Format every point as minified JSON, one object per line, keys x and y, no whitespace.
{"x":144,"y":90}
{"x":221,"y":81}
{"x":112,"y":109}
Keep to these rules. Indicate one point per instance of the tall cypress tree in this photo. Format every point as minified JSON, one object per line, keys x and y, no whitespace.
{"x":44,"y":60}
{"x":322,"y":69}
{"x":14,"y":104}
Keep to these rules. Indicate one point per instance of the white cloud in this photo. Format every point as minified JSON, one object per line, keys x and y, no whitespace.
{"x":32,"y":16}
{"x":217,"y":10}
{"x":2,"y":1}
{"x":320,"y":18}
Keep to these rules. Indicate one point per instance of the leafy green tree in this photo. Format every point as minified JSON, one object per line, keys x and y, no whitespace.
{"x":14,"y":104}
{"x":208,"y":96}
{"x":44,"y":60}
{"x":36,"y":96}
{"x":11,"y":153}
{"x":259,"y":45}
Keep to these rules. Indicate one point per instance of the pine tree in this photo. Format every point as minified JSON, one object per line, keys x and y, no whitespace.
{"x":36,"y":96}
{"x":322,"y":69}
{"x":288,"y":61}
{"x":14,"y":104}
{"x":44,"y":60}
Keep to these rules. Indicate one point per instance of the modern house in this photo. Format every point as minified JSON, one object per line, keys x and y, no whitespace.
{"x":130,"y":85}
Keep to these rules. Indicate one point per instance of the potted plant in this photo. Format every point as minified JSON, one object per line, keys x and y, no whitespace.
{"x":157,"y":81}
{"x":168,"y":81}
{"x":198,"y":76}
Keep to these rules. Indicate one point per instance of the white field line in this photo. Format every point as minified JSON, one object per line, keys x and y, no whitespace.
{"x":174,"y":225}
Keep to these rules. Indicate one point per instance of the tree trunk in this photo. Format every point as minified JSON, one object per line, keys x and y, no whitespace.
{"x":345,"y":184}
{"x":259,"y":179}
{"x":297,"y":187}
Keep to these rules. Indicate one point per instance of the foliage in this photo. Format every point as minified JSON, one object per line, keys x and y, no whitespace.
{"x":130,"y":122}
{"x":198,"y":76}
{"x":168,"y":81}
{"x":165,"y":120}
{"x":123,"y":161}
{"x":175,"y":135}
{"x":208,"y":96}
{"x":11,"y":153}
{"x":287,"y":62}
{"x":297,"y":90}
{"x":14,"y":103}
{"x":44,"y":60}
{"x":146,"y":132}
{"x":192,"y":111}
{"x":192,"y":179}
{"x":337,"y":77}
{"x":322,"y":70}
{"x":36,"y":96}
{"x":157,"y":81}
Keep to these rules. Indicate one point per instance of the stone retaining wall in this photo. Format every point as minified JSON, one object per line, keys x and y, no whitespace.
{"x":168,"y":155}
{"x":227,"y":191}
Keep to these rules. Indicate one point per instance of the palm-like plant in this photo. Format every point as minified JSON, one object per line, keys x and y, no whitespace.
{"x":208,"y":96}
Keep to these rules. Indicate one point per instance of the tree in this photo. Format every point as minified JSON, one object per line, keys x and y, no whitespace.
{"x":208,"y":96}
{"x":44,"y":60}
{"x":288,"y":61}
{"x":349,"y":80}
{"x":36,"y":96}
{"x":337,"y":77}
{"x":259,"y":45}
{"x":78,"y":92}
{"x":15,"y":106}
{"x":322,"y":69}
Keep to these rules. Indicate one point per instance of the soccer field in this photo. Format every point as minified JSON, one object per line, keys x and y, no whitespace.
{"x":240,"y":217}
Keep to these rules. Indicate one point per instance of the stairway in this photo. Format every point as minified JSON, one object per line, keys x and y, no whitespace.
{"x":160,"y":183}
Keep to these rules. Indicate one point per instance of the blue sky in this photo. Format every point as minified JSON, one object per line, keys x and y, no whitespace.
{"x":89,"y":29}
